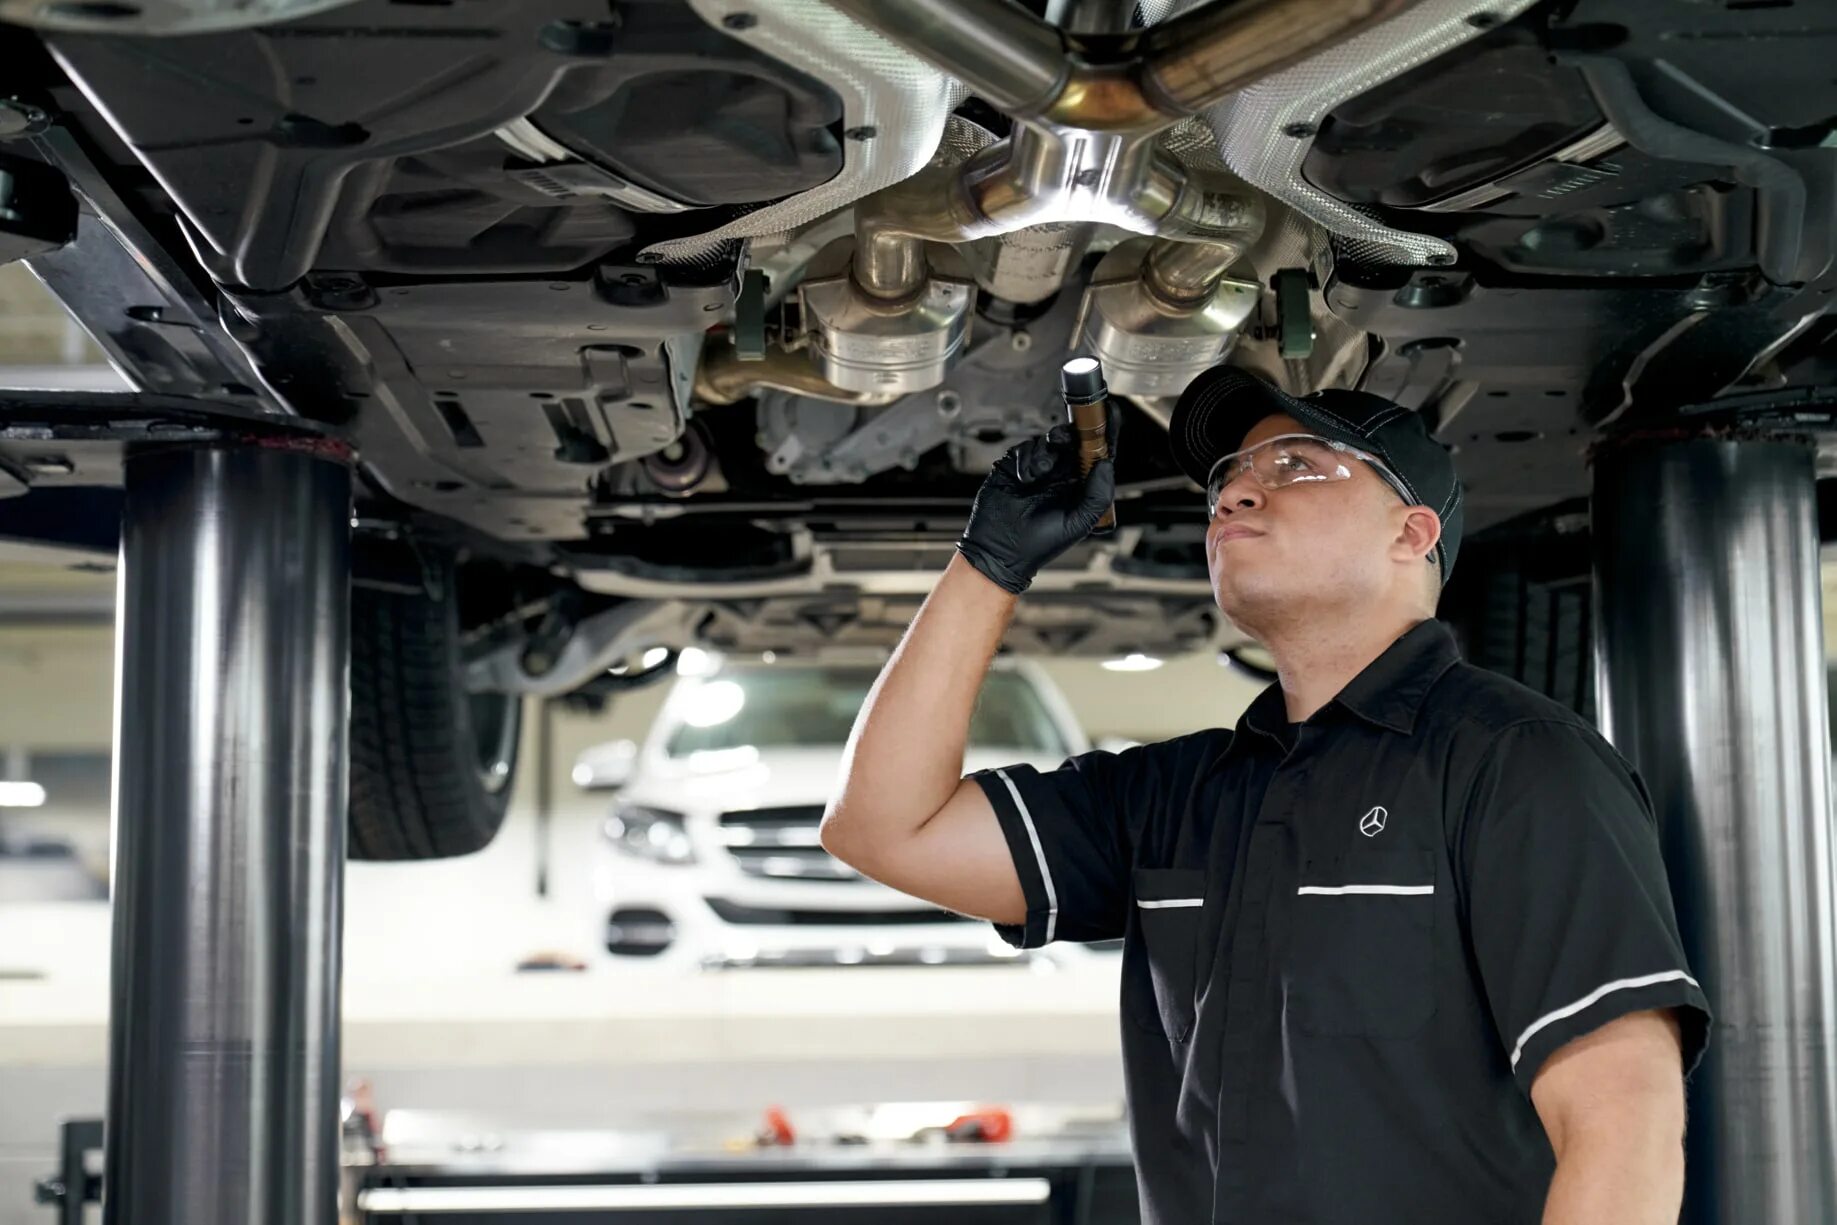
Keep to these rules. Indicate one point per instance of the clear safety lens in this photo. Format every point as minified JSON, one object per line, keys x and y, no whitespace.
{"x":1281,"y":461}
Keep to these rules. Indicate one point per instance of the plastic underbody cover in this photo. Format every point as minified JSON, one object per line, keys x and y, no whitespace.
{"x":365,"y":139}
{"x":894,"y":109}
{"x":1265,"y":131}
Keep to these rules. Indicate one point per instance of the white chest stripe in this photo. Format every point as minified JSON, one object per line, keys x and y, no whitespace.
{"x":1161,"y":903}
{"x":1387,"y":890}
{"x":1593,"y":997}
{"x":1039,"y":853}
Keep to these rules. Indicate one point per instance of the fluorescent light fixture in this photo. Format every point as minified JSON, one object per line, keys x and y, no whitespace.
{"x":19,"y":794}
{"x":653,"y":657}
{"x":889,"y":1193}
{"x":1135,"y":661}
{"x":693,"y":661}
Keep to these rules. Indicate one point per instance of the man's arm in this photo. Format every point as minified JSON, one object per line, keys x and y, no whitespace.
{"x":904,"y":814}
{"x":1612,"y":1102}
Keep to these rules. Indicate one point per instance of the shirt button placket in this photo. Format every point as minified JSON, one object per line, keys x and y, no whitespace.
{"x":1246,"y":1013}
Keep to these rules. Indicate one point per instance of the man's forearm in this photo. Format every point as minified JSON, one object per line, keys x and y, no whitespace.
{"x":905,"y":755}
{"x":1631,"y":1177}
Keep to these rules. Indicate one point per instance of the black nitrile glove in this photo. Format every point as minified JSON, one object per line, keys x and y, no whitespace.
{"x":1034,"y":505}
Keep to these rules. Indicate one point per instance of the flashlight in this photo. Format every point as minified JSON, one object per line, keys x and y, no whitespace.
{"x":1087,"y":406}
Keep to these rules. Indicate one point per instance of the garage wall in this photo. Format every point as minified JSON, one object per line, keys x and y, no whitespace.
{"x":59,"y":687}
{"x":58,"y":684}
{"x":484,"y":910}
{"x":34,"y":327}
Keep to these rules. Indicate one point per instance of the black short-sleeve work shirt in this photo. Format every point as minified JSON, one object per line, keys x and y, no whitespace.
{"x":1350,"y":945}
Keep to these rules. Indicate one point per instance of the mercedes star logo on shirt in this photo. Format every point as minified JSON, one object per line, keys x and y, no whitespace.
{"x":1372,"y":823}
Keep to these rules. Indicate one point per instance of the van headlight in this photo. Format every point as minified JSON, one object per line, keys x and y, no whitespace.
{"x":655,"y":834}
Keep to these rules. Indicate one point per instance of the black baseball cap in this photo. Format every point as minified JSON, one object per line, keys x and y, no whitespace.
{"x":1218,"y":408}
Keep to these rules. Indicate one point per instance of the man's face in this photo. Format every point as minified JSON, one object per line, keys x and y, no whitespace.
{"x":1275,"y":552}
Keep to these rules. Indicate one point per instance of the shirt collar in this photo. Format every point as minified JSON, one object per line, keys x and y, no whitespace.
{"x":1267,"y":714}
{"x":1388,"y":693}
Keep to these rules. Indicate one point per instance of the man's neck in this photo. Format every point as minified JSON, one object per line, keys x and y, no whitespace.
{"x":1313,"y":663}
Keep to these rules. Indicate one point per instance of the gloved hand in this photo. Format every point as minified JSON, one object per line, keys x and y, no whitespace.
{"x":1034,"y":505}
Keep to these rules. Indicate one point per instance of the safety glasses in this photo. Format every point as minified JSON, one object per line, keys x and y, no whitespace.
{"x":1289,"y":459}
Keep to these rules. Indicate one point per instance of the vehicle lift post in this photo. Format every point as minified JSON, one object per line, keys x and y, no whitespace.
{"x":1711,"y":679}
{"x":232,"y":725}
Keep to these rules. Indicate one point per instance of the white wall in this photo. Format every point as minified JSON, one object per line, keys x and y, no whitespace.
{"x":482,"y":913}
{"x":57,"y":686}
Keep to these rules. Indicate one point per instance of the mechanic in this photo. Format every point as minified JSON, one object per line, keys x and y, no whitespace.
{"x":1398,"y":948}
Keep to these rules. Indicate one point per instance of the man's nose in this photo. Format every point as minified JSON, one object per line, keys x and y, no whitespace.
{"x":1242,"y":492}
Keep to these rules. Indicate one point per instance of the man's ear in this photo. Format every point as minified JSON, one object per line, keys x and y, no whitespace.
{"x":1417,"y":535}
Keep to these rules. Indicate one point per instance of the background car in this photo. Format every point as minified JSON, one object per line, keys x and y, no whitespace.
{"x":710,"y":856}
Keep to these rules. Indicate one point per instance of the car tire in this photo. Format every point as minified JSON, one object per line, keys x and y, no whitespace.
{"x":1527,"y":612}
{"x":431,"y":763}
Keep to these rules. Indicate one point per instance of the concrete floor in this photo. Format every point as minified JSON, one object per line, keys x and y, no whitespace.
{"x":437,"y":1019}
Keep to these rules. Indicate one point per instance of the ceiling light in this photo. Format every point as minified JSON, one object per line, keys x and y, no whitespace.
{"x":1135,"y":661}
{"x":653,"y":657}
{"x":21,"y":795}
{"x":693,"y":661}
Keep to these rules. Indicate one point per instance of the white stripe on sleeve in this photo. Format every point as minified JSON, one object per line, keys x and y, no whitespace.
{"x":1168,"y":902}
{"x":1592,"y":998}
{"x":1039,"y":853}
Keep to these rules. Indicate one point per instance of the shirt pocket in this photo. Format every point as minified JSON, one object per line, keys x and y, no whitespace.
{"x":1168,"y":904}
{"x":1361,"y":957}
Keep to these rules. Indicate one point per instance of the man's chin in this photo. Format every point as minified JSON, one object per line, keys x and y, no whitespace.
{"x":1239,"y":599}
{"x":1255,"y":596}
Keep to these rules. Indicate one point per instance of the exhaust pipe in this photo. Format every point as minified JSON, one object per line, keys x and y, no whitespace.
{"x":1087,"y":108}
{"x":721,"y":377}
{"x":1114,"y":83}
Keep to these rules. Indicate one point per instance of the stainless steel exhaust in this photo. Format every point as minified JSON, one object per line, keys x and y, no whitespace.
{"x":1088,"y":104}
{"x":1087,"y":109}
{"x":1103,"y":82}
